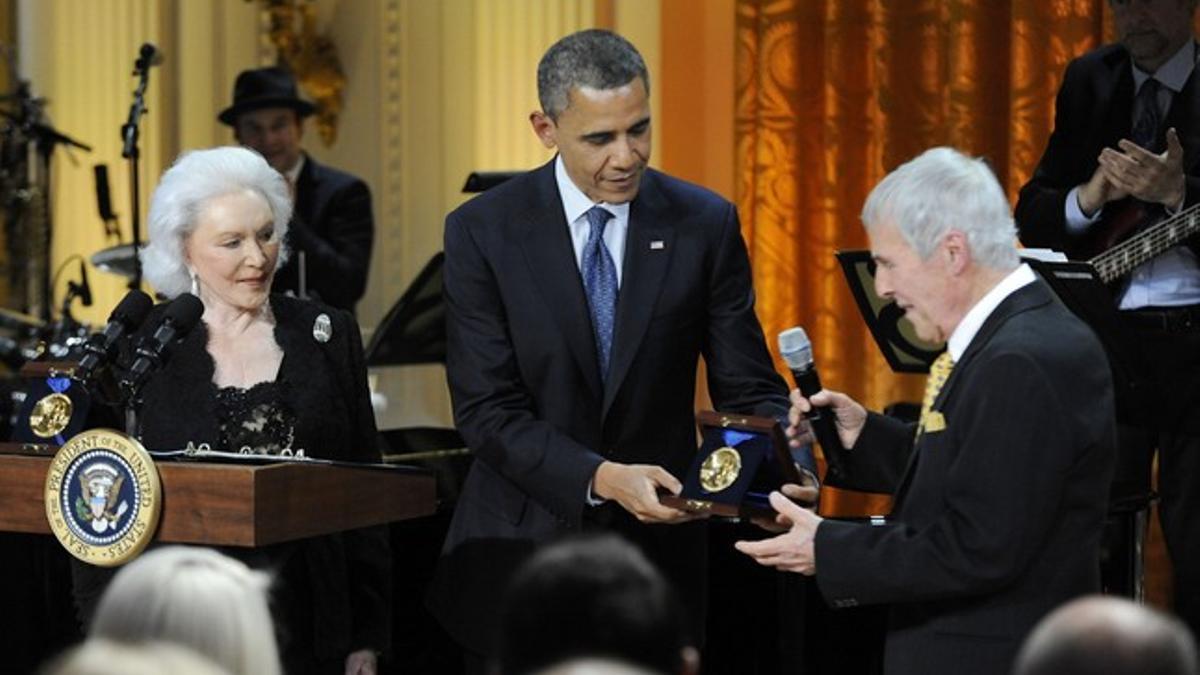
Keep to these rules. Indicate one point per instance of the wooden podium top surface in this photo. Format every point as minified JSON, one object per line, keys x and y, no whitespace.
{"x":242,"y":505}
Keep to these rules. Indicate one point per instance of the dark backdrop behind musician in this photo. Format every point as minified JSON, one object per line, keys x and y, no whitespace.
{"x":1127,"y":136}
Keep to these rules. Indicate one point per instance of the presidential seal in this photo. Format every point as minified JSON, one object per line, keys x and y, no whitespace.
{"x":103,"y":497}
{"x":50,"y":415}
{"x":720,"y":469}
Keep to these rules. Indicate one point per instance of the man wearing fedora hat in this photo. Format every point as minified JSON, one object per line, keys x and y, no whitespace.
{"x":332,"y":228}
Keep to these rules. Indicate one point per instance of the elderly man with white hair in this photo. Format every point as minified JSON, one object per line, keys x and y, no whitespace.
{"x":1000,"y":490}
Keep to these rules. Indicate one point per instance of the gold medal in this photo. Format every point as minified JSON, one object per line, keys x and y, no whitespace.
{"x":50,"y":415}
{"x":720,"y":469}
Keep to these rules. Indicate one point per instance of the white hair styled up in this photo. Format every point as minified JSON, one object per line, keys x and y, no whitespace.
{"x":941,"y":190}
{"x":185,"y":189}
{"x":195,"y":597}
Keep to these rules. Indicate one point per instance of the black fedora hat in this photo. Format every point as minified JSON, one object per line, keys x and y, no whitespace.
{"x":259,"y":88}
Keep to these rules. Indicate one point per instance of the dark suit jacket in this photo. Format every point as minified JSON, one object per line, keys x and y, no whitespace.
{"x":1094,"y":110}
{"x":333,"y":225}
{"x":997,"y":518}
{"x":346,"y":577}
{"x":528,"y":399}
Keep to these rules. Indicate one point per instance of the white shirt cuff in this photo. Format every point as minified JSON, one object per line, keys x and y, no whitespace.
{"x":592,"y":499}
{"x":1077,"y":221}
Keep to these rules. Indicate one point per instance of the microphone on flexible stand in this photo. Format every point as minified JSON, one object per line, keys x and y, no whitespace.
{"x":796,"y":350}
{"x":65,"y":328}
{"x":180,"y":317}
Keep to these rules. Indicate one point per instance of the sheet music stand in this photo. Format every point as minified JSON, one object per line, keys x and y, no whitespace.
{"x":1080,"y":288}
{"x":899,"y":344}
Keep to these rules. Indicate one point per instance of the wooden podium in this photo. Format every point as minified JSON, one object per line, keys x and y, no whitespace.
{"x":242,"y":505}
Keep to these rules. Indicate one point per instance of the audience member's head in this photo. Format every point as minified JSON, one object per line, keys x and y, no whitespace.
{"x":592,"y":666}
{"x":104,"y":657}
{"x":194,"y":597}
{"x":593,"y":598}
{"x":1110,"y":636}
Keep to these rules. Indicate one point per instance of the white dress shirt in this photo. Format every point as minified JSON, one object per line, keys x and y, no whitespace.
{"x":576,"y":205}
{"x":973,"y":320}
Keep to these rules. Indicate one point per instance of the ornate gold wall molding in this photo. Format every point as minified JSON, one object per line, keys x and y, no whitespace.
{"x":312,"y":57}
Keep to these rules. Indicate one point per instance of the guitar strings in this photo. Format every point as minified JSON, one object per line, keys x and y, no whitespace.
{"x":1115,"y":261}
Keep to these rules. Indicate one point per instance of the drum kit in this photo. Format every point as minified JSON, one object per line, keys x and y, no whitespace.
{"x":25,"y":337}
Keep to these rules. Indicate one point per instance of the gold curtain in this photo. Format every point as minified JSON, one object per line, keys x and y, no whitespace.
{"x":832,"y":94}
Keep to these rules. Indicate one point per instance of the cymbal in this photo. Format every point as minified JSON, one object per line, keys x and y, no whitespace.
{"x":118,"y":259}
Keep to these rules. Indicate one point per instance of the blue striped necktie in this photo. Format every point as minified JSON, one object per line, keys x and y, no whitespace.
{"x":600,"y":284}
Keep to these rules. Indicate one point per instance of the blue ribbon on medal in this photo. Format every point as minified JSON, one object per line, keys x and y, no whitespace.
{"x":59,"y":385}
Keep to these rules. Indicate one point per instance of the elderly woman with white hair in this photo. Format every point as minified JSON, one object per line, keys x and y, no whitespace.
{"x":268,"y":374}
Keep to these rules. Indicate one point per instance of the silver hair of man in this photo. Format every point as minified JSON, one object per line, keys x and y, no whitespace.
{"x":185,"y":189}
{"x":195,"y":597}
{"x":594,"y":58}
{"x":941,"y":190}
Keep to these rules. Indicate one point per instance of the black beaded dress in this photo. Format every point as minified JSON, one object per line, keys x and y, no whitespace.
{"x":255,"y":420}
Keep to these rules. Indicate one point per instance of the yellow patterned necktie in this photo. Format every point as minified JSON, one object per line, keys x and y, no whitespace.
{"x":939,"y":372}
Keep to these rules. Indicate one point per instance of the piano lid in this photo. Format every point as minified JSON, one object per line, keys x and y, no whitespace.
{"x":414,"y":329}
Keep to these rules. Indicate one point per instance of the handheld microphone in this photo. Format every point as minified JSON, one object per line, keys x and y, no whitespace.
{"x":181,"y":316}
{"x":796,"y":350}
{"x":125,"y":318}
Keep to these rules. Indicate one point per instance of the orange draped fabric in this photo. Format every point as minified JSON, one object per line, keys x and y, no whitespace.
{"x":832,"y":94}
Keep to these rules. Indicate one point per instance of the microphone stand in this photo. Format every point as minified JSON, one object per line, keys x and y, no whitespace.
{"x":67,"y":325}
{"x":129,"y":133}
{"x":30,"y":119}
{"x":133,"y":423}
